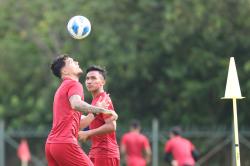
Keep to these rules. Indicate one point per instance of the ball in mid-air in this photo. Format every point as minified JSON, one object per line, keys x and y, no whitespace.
{"x":79,"y":27}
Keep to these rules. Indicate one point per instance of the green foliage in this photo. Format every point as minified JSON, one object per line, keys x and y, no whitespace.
{"x":165,"y":59}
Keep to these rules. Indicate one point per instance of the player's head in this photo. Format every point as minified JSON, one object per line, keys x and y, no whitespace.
{"x":135,"y":125}
{"x":95,"y":78}
{"x":175,"y":131}
{"x":64,"y":65}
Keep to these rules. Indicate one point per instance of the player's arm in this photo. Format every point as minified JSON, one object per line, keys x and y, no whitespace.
{"x":194,"y":151}
{"x":86,"y":120}
{"x":123,"y":148}
{"x":168,"y":152}
{"x":168,"y":157}
{"x":148,"y":154}
{"x":108,"y":127}
{"x":195,"y":155}
{"x":147,"y":150}
{"x":79,"y":105}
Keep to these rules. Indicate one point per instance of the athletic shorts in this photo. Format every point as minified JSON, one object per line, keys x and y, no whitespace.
{"x":106,"y":161}
{"x":66,"y":154}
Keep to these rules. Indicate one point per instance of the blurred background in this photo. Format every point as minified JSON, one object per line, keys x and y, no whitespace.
{"x":167,"y":63}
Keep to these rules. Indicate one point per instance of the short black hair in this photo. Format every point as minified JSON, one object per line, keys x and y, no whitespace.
{"x":176,"y":130}
{"x":135,"y":124}
{"x":57,"y":64}
{"x":100,"y":69}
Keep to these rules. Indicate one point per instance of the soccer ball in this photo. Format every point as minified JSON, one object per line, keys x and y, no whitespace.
{"x":79,"y":27}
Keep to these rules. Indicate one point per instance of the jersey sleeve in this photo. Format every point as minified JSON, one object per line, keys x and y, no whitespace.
{"x":192,"y":146}
{"x":168,"y":148}
{"x":123,"y":140}
{"x":146,"y":143}
{"x":75,"y":89}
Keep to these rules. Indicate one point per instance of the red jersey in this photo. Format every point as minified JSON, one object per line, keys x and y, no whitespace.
{"x":135,"y":143}
{"x":66,"y":121}
{"x":181,"y":150}
{"x":103,"y":145}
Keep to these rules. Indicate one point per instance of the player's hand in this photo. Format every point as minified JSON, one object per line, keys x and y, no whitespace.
{"x":83,"y":136}
{"x":113,"y":114}
{"x":174,"y":163}
{"x":148,"y":160}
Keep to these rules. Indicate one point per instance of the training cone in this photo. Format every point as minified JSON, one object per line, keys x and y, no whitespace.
{"x":232,"y":87}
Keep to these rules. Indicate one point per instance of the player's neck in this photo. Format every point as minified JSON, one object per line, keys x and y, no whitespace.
{"x":97,"y":92}
{"x":73,"y":77}
{"x":135,"y":130}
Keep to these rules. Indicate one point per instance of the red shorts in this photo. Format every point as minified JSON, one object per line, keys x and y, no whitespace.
{"x":63,"y":154}
{"x":106,"y":161}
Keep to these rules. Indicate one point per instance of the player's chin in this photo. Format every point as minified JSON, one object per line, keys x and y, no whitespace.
{"x":80,"y":72}
{"x":90,"y":89}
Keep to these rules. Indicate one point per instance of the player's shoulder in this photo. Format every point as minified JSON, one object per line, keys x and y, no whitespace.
{"x":124,"y":136}
{"x":185,"y":139}
{"x":144,"y":136}
{"x":171,"y":140}
{"x":70,"y":83}
{"x":107,"y":97}
{"x":128,"y":134}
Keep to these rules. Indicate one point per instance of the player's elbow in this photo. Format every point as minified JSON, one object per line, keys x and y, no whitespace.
{"x":113,"y":127}
{"x":148,"y":152}
{"x":74,"y":105}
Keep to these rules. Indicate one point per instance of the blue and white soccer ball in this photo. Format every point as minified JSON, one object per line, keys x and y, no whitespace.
{"x":79,"y":27}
